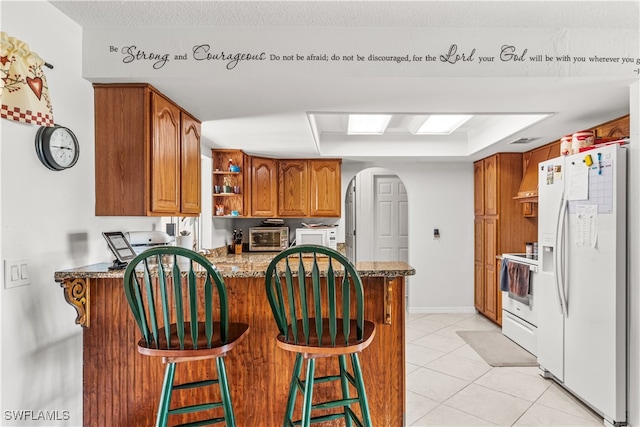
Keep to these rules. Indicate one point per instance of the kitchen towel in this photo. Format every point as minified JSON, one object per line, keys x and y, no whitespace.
{"x":518,"y":279}
{"x":504,"y":275}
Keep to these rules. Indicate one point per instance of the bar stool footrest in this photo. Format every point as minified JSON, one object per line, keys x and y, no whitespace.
{"x":321,"y":419}
{"x":203,"y":423}
{"x":195,"y":384}
{"x":335,"y":403}
{"x":195,"y":408}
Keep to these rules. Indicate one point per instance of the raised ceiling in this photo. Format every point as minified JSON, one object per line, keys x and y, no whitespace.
{"x":269,"y":116}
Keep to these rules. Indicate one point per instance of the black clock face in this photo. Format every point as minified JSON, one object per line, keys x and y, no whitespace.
{"x":57,"y":147}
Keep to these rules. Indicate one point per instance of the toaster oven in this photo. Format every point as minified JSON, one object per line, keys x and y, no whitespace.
{"x":268,"y":238}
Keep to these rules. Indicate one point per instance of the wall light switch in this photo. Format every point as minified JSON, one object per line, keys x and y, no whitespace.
{"x":24,"y":271}
{"x":16,"y":273}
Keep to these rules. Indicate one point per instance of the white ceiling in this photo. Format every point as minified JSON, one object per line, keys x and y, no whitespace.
{"x":268,"y":117}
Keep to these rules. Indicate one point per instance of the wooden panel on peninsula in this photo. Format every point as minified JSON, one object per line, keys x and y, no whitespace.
{"x":121,"y":387}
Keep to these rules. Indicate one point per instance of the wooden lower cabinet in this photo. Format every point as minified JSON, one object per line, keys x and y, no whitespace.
{"x":491,"y":308}
{"x":121,"y":387}
{"x":478,"y":286}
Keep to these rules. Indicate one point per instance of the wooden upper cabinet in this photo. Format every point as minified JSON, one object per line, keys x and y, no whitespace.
{"x":190,"y":181}
{"x":478,"y":188}
{"x":145,"y":161}
{"x":165,"y":156}
{"x":309,"y":188}
{"x":293,"y":188}
{"x":325,"y":188}
{"x":264,"y":187}
{"x":491,"y":185}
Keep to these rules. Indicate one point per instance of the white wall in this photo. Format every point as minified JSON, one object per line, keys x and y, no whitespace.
{"x":440,"y":196}
{"x":48,"y":218}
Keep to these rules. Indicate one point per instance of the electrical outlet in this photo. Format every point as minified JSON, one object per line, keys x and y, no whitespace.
{"x":16,"y":273}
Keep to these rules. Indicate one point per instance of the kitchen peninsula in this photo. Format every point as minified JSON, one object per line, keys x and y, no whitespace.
{"x":121,"y":387}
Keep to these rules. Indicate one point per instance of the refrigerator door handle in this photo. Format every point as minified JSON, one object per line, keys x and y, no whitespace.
{"x":559,"y":256}
{"x":562,"y":256}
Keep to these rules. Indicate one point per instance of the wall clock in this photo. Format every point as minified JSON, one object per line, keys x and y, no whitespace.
{"x":57,"y":147}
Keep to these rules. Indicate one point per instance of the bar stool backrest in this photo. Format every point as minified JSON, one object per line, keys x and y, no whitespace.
{"x":299,"y":305}
{"x":162,"y":304}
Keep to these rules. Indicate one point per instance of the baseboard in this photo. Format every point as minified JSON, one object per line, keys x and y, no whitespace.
{"x":440,"y":310}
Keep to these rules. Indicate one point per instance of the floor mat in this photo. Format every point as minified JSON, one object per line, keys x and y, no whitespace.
{"x":498,"y":350}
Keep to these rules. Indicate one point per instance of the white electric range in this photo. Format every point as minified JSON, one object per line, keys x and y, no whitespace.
{"x":519,"y":314}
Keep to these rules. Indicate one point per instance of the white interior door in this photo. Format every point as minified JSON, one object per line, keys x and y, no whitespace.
{"x":390,"y":218}
{"x":350,"y":220}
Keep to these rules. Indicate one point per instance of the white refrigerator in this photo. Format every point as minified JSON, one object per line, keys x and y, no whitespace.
{"x":582,"y":280}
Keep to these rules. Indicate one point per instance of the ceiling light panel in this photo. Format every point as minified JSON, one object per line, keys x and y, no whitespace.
{"x":442,"y":124}
{"x":367,"y":124}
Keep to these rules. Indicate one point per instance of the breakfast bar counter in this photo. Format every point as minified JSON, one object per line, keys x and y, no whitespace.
{"x":121,"y":387}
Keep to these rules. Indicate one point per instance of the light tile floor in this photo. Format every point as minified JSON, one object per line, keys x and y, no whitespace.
{"x":449,"y":384}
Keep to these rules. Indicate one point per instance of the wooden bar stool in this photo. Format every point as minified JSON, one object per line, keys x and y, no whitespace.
{"x":314,"y":317}
{"x":183,"y":320}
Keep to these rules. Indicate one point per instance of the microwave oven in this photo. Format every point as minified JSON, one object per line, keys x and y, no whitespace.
{"x":268,"y":238}
{"x":322,"y":236}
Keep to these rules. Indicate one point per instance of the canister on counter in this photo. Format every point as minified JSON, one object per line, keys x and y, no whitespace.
{"x":528,"y":248}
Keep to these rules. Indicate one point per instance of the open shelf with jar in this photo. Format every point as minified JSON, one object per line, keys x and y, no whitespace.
{"x":229,"y":182}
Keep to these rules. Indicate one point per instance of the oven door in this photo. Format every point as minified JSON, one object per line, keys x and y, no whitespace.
{"x":519,"y":314}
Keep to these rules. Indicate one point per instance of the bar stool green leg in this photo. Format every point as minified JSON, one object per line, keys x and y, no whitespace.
{"x":229,"y":418}
{"x":345,"y":387}
{"x":165,"y":396}
{"x":293,"y":390}
{"x":362,"y":394}
{"x":308,"y":393}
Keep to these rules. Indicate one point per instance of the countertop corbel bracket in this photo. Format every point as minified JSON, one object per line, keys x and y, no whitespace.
{"x":76,"y":293}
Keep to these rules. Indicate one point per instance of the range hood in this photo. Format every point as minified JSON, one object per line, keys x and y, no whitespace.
{"x":528,"y":191}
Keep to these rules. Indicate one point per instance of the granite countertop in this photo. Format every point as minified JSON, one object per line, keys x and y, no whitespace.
{"x":249,"y":264}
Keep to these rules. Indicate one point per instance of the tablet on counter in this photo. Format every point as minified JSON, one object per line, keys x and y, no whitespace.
{"x":120,"y":247}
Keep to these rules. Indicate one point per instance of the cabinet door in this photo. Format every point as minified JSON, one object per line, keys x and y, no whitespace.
{"x":293,"y":188}
{"x":478,"y":252}
{"x":491,"y":301}
{"x":190,"y":193}
{"x":478,"y":188}
{"x":478,"y":287}
{"x":490,"y":241}
{"x":491,"y":293}
{"x":264,"y":187}
{"x":491,"y":186}
{"x":478,"y":255}
{"x":165,"y":156}
{"x":325,"y":188}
